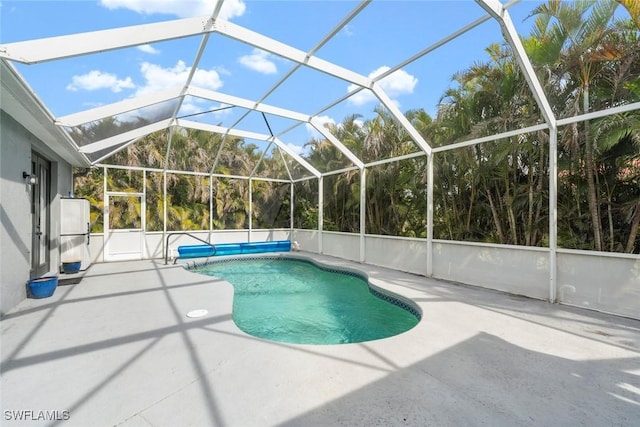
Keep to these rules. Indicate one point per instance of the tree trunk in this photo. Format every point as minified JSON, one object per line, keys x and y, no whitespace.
{"x":528,"y":231}
{"x":469,"y":211}
{"x":592,"y":197}
{"x":496,"y":218}
{"x":633,"y":232}
{"x":510,"y":215}
{"x":610,"y":219}
{"x":540,"y":176}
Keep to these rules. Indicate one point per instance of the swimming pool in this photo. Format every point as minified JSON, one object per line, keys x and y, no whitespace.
{"x":297,"y":301}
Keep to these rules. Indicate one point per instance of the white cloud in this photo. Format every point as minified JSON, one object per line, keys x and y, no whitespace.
{"x":147,"y":48}
{"x":188,"y":108}
{"x":397,"y":83}
{"x":157,"y":78}
{"x":348,"y":30}
{"x":295,"y":148}
{"x":197,"y":105}
{"x":95,"y":80}
{"x":180,"y":8}
{"x":222,"y":70}
{"x":208,"y":79}
{"x":259,"y":60}
{"x":363,"y":97}
{"x":324,"y":120}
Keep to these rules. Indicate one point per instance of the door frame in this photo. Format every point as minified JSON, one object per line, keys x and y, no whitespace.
{"x":109,"y":233}
{"x":40,"y":207}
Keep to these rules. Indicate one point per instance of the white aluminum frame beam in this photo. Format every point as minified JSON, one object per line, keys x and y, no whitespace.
{"x":286,"y":166}
{"x":245,"y":103}
{"x":321,"y":43}
{"x":264,"y":152}
{"x":217,"y":158}
{"x":553,"y":214}
{"x":250,"y":135}
{"x":600,"y":113}
{"x":363,"y":214}
{"x":125,"y":137}
{"x":192,"y":72}
{"x":339,"y":171}
{"x":112,"y":152}
{"x":509,"y":32}
{"x":402,"y":120}
{"x":490,"y":138}
{"x":258,"y":105}
{"x":262,"y":42}
{"x":430,"y":161}
{"x":441,"y":42}
{"x":396,"y":159}
{"x":500,"y":14}
{"x":50,"y":48}
{"x":315,"y":122}
{"x":194,"y":173}
{"x":117,"y":108}
{"x":417,"y":56}
{"x":284,"y":147}
{"x":99,"y":41}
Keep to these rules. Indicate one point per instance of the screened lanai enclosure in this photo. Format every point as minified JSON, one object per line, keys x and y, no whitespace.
{"x":490,"y":143}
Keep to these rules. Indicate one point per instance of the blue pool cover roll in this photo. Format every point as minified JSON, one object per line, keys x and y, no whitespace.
{"x":196,"y":251}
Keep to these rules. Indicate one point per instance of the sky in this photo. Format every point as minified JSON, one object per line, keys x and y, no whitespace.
{"x":383,"y":35}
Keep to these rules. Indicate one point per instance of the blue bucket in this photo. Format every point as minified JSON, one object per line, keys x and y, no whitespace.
{"x":71,"y":267}
{"x":42,"y":287}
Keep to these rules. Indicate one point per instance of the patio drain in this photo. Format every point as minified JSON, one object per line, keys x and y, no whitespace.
{"x":197,"y":313}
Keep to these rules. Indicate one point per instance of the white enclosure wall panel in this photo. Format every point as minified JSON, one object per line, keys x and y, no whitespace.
{"x":153,"y":245}
{"x":270,"y":235}
{"x":306,"y":240}
{"x":124,"y":245}
{"x":185,"y":240}
{"x":409,"y":255}
{"x":230,"y":236}
{"x":96,"y":247}
{"x":513,"y":269}
{"x":604,"y":283}
{"x":226,"y":236}
{"x":341,"y":245}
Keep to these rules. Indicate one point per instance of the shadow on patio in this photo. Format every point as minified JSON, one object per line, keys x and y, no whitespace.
{"x":117,"y":349}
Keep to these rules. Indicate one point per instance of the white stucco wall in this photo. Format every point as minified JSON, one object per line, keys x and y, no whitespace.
{"x":601,"y":281}
{"x":400,"y":253}
{"x":16,"y":145}
{"x":15,"y":218}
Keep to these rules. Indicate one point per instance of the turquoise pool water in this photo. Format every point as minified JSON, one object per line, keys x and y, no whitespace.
{"x":294,"y":301}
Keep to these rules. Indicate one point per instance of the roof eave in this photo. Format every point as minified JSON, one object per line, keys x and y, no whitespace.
{"x":20,"y":102}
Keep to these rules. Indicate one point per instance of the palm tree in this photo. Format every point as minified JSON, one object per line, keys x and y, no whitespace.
{"x":633,"y":7}
{"x":502,"y":179}
{"x":618,"y":139}
{"x":580,"y":39}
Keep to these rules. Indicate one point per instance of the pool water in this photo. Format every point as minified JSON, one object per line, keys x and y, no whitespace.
{"x":294,"y":301}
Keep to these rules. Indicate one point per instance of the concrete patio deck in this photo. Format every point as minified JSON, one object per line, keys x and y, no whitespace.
{"x":118,"y":349}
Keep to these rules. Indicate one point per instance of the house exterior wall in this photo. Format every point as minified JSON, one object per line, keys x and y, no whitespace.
{"x":16,"y":145}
